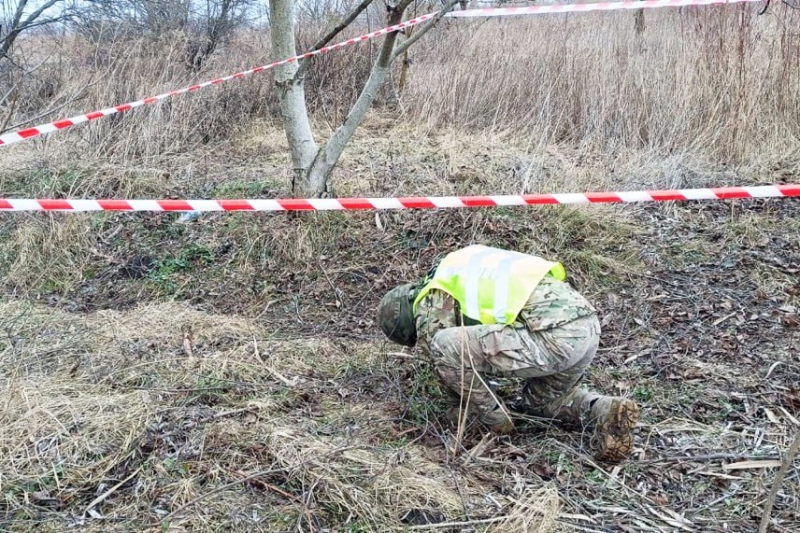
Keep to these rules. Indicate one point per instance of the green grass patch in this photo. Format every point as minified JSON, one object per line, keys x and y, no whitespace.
{"x":165,"y":272}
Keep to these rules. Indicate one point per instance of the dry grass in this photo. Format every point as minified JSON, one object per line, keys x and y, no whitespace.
{"x":289,"y":409}
{"x":293,"y":415}
{"x":110,"y":423}
{"x":716,"y":83}
{"x":228,"y":373}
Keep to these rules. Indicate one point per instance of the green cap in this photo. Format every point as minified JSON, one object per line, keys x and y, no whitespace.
{"x":396,"y":314}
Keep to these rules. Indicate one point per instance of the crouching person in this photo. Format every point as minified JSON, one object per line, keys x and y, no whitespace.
{"x":488,"y":312}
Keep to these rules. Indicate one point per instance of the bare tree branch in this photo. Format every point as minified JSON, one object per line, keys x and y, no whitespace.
{"x":333,"y":33}
{"x":424,"y":28}
{"x":313,"y":166}
{"x":401,"y":7}
{"x":17,"y":25}
{"x":328,"y":156}
{"x":38,"y":13}
{"x":18,"y":14}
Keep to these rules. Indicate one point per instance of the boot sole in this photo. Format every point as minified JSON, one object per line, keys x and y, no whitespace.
{"x":615,"y":435}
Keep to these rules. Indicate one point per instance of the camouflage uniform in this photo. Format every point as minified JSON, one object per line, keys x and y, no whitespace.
{"x":550,"y":345}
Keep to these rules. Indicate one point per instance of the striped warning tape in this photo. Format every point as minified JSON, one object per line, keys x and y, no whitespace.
{"x":28,"y":133}
{"x":583,"y":8}
{"x":417,"y":202}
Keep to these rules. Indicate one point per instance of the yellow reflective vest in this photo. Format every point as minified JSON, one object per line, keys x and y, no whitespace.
{"x":491,"y":285}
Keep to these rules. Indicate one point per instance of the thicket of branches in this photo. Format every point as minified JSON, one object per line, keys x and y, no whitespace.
{"x":202,"y":24}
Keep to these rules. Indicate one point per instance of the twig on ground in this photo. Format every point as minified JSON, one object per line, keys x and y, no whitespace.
{"x":787,"y":461}
{"x":110,"y":491}
{"x":273,"y":488}
{"x":750,"y":465}
{"x":305,"y":502}
{"x":441,"y":525}
{"x":709,"y":457}
{"x":464,"y":506}
{"x":576,"y":527}
{"x":336,"y":291}
{"x":283,"y":493}
{"x":225,"y":414}
{"x":286,"y":381}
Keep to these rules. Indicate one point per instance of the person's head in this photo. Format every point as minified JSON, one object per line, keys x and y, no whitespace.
{"x":396,"y":314}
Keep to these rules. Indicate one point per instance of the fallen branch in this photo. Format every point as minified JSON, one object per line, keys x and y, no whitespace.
{"x":440,"y":525}
{"x":787,"y":461}
{"x":710,"y":457}
{"x":751,"y":465}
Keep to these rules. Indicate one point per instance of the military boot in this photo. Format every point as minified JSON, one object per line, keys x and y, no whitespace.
{"x":614,"y":420}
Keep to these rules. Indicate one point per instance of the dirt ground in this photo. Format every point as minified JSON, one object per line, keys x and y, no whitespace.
{"x":228,"y":373}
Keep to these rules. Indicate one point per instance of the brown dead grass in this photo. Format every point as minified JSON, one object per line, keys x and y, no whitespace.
{"x":291,"y":409}
{"x":265,"y":425}
{"x":711,"y":82}
{"x":227,"y":374}
{"x":109,"y":423}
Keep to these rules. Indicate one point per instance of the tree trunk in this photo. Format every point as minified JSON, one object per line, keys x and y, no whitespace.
{"x":319,"y":174}
{"x":313,"y":166}
{"x":13,"y":29}
{"x":8,"y":42}
{"x":296,"y":123}
{"x":638,"y":23}
{"x":318,"y":178}
{"x":16,"y":25}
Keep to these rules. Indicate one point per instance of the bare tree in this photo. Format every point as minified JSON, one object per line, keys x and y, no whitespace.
{"x":19,"y":16}
{"x":203,"y":23}
{"x":107,"y":19}
{"x":216,"y":20}
{"x":26,"y":87}
{"x":314,"y":164}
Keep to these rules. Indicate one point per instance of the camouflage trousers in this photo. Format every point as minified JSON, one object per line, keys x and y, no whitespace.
{"x":551,"y":363}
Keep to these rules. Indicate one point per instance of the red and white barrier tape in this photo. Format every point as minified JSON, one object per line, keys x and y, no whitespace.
{"x":21,"y":135}
{"x":418,"y":202}
{"x":583,"y":8}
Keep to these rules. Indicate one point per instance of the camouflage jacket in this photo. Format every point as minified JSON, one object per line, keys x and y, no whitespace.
{"x":552,"y":304}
